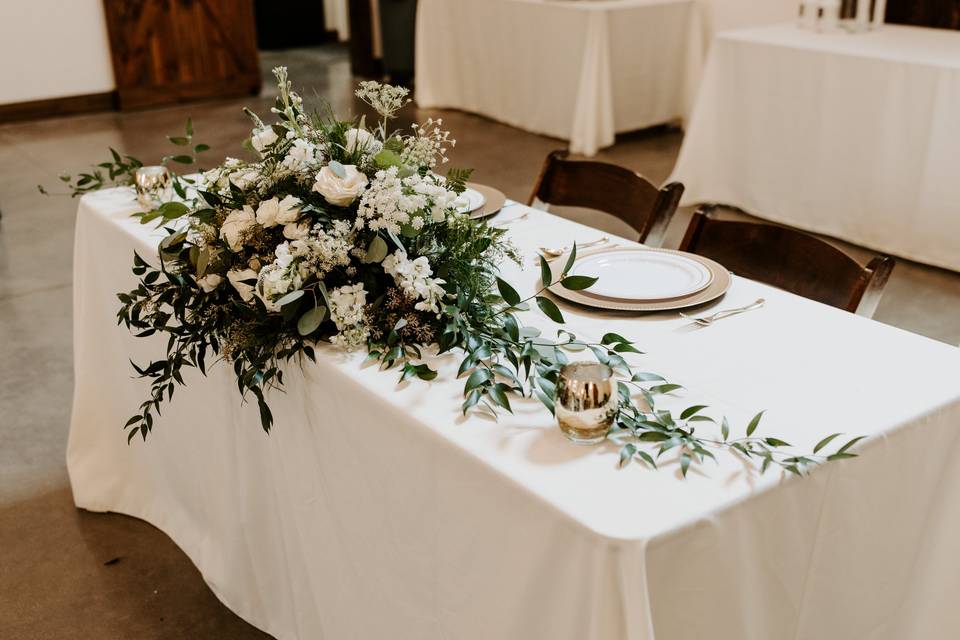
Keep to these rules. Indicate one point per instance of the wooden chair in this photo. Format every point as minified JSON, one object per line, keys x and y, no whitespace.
{"x":789,"y":259}
{"x":606,"y":187}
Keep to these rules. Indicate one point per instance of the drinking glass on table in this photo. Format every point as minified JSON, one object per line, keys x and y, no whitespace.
{"x":586,"y":401}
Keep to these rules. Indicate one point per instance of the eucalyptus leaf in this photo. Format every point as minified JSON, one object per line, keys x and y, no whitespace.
{"x":290,"y":297}
{"x":337,"y":169}
{"x":376,"y":250}
{"x":311,"y":320}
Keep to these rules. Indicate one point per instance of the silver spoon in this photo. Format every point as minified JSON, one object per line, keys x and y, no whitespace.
{"x":556,"y":252}
{"x":720,"y":315}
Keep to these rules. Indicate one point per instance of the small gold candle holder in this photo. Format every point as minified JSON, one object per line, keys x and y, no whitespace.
{"x":152,"y":185}
{"x":586,"y":401}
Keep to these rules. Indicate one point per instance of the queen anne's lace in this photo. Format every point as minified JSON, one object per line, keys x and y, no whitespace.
{"x":391,"y":202}
{"x":385,"y":99}
{"x":428,"y":145}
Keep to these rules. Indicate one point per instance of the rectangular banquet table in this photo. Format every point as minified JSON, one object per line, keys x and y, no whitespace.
{"x":582,"y":70}
{"x":856,"y":136}
{"x":374,"y":510}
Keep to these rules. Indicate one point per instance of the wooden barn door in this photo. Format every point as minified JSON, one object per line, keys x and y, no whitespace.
{"x":167,"y":51}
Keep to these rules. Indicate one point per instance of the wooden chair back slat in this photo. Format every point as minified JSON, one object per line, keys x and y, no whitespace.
{"x":789,"y":259}
{"x":609,"y":188}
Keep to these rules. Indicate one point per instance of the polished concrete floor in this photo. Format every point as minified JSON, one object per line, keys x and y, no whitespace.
{"x":66,"y":573}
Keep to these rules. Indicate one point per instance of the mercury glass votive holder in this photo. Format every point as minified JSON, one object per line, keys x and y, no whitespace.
{"x":152,"y":184}
{"x":586,"y":402}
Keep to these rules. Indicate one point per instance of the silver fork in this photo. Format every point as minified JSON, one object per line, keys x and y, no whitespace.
{"x":720,"y":315}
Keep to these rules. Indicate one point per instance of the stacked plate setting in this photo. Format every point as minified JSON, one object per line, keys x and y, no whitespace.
{"x":480,"y":201}
{"x":642,"y":279}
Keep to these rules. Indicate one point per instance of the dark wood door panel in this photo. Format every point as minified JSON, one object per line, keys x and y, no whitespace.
{"x":167,"y":51}
{"x":925,"y":13}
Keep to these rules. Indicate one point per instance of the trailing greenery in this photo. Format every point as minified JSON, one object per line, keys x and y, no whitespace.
{"x":121,"y":170}
{"x":342,"y":235}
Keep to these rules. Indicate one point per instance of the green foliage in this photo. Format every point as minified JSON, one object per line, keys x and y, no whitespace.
{"x":501,"y":359}
{"x":121,"y":170}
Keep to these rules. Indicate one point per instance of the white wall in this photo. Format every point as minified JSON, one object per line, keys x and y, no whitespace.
{"x":53,"y":49}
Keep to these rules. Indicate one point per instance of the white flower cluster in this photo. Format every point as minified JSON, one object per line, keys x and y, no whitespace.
{"x":262,"y":139}
{"x":427,"y":145}
{"x":242,"y":175}
{"x":347,"y":304}
{"x":385,"y":99}
{"x":317,"y":253}
{"x":390,"y":202}
{"x":363,"y":141}
{"x":302,"y":155}
{"x":323,"y":250}
{"x":414,"y":279}
{"x":270,"y":213}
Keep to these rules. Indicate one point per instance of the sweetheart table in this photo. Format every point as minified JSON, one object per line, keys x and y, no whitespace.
{"x":378,"y":511}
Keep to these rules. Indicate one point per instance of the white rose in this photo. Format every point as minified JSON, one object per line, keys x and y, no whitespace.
{"x":209,"y":282}
{"x":244,"y":178}
{"x":294,"y":231}
{"x":263,"y":138}
{"x":236,"y":224}
{"x":288,"y":210}
{"x":340,"y":191}
{"x":240,"y":280}
{"x":267,"y":212}
{"x":301,"y":154}
{"x":363,"y":140}
{"x":273,"y":283}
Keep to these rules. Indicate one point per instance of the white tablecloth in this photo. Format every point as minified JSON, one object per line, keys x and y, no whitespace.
{"x":580,"y":71}
{"x":854,"y":136}
{"x":377,"y":511}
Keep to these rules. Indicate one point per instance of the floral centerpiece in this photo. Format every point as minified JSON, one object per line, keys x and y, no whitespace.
{"x":348,"y":234}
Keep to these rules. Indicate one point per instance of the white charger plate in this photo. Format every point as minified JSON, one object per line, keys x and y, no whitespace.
{"x":640,"y":274}
{"x":719,"y":284}
{"x":471,"y":200}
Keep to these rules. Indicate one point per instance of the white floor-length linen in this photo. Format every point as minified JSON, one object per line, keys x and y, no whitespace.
{"x":854,"y":136}
{"x":377,"y":511}
{"x":579,"y":71}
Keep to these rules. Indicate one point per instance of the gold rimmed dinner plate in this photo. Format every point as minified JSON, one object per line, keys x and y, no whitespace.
{"x":720,"y":281}
{"x":494,"y":199}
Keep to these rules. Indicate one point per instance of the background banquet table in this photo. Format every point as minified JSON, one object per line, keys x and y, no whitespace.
{"x":854,"y":136}
{"x":376,"y":510}
{"x":577,"y":70}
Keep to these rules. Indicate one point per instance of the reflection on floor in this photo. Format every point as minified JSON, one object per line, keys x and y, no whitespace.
{"x":64,"y":571}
